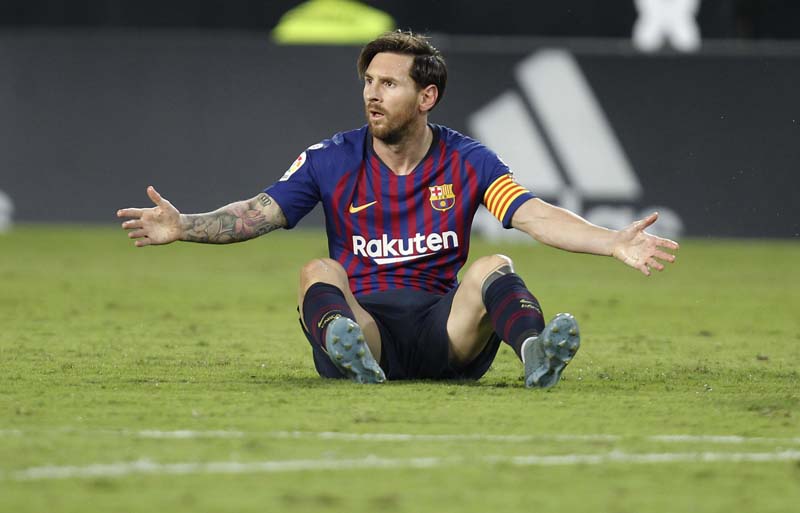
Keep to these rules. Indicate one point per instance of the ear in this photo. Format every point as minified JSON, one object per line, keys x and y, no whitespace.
{"x":427,"y":97}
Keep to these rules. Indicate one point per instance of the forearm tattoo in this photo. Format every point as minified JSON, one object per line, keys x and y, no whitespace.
{"x":236,"y":222}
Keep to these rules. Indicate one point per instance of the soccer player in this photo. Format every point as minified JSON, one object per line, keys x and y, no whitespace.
{"x":399,"y":196}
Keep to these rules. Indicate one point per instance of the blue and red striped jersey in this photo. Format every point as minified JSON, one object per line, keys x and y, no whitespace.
{"x":398,"y":232}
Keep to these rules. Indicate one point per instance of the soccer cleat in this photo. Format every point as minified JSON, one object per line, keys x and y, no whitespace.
{"x":349,"y":352}
{"x":546,"y":354}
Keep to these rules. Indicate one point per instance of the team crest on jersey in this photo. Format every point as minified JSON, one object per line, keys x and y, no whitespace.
{"x":297,"y":164}
{"x":442,"y":197}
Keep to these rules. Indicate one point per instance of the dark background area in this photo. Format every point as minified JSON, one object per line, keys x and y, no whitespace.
{"x":90,"y":120}
{"x":764,"y":19}
{"x":100,"y":98}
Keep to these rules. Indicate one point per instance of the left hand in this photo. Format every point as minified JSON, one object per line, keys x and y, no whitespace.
{"x":640,"y":250}
{"x":160,"y":224}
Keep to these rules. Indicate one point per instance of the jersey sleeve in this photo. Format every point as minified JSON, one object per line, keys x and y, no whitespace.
{"x":297,"y":192}
{"x":503,"y":195}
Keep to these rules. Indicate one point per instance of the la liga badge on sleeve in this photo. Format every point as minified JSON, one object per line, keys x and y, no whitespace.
{"x":297,"y":164}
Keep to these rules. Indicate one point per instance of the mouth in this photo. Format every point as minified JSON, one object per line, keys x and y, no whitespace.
{"x":375,"y":113}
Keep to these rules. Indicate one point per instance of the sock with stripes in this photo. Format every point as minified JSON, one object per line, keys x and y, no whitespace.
{"x":323,"y":303}
{"x":515,"y":312}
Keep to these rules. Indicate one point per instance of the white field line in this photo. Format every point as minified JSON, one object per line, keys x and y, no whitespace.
{"x":378,"y":437}
{"x":184,"y":434}
{"x":122,"y":469}
{"x":408,"y":437}
{"x":479,"y":437}
{"x":722,"y":439}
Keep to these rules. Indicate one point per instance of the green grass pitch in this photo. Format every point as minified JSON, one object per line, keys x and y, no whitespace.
{"x":177,"y":379}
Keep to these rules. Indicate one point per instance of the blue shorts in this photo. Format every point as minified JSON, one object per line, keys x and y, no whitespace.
{"x":414,"y":341}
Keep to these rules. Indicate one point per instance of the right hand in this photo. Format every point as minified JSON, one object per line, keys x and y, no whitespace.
{"x":641,"y":250}
{"x":157,"y":225}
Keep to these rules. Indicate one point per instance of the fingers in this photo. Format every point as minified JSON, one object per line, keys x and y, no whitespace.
{"x":138,"y":233}
{"x":130,"y":212}
{"x":660,"y":241}
{"x":133,"y":223}
{"x":647,"y":221}
{"x":647,"y":264}
{"x":154,"y":196}
{"x":634,"y":262}
{"x":647,"y":252}
{"x":652,"y":263}
{"x":666,"y":243}
{"x":663,"y":255}
{"x":141,"y":238}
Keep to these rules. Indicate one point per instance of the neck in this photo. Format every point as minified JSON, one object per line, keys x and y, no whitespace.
{"x":403,"y":156}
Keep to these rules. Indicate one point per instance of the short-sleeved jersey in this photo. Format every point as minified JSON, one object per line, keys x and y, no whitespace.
{"x":398,"y":232}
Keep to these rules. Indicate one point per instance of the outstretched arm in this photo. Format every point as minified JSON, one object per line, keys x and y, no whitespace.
{"x":236,"y":222}
{"x":562,"y":229}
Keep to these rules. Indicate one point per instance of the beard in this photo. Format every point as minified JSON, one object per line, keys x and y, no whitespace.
{"x":390,"y":129}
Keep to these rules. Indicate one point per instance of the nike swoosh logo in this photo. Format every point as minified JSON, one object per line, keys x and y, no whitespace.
{"x":354,"y":209}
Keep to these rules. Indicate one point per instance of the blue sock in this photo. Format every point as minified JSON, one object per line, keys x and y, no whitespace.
{"x":515,"y":312}
{"x":323,"y":303}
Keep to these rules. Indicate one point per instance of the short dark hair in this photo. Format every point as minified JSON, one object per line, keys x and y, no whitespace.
{"x":428,"y":67}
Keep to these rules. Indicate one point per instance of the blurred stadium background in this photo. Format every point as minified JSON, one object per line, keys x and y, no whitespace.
{"x":608,"y":108}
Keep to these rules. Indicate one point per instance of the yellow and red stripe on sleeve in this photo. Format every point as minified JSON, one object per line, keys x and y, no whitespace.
{"x":501,"y":194}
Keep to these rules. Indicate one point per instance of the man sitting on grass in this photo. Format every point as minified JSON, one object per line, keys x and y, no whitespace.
{"x":399,"y":196}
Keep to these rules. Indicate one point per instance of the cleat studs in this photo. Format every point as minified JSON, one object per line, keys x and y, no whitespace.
{"x":573,"y":332}
{"x":562,"y":343}
{"x":350,"y":327}
{"x":555,"y":329}
{"x":336,"y":339}
{"x":339,"y":357}
{"x":348,"y":346}
{"x":360,"y":338}
{"x":361,"y":353}
{"x":347,"y":366}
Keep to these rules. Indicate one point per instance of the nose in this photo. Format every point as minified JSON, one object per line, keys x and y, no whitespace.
{"x":371,"y":93}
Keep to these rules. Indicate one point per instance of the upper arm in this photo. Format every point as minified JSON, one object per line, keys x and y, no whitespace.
{"x":298,"y":190}
{"x":502,"y":195}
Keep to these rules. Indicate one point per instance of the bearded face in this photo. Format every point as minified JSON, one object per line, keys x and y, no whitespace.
{"x":391,"y":97}
{"x":390,"y":125}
